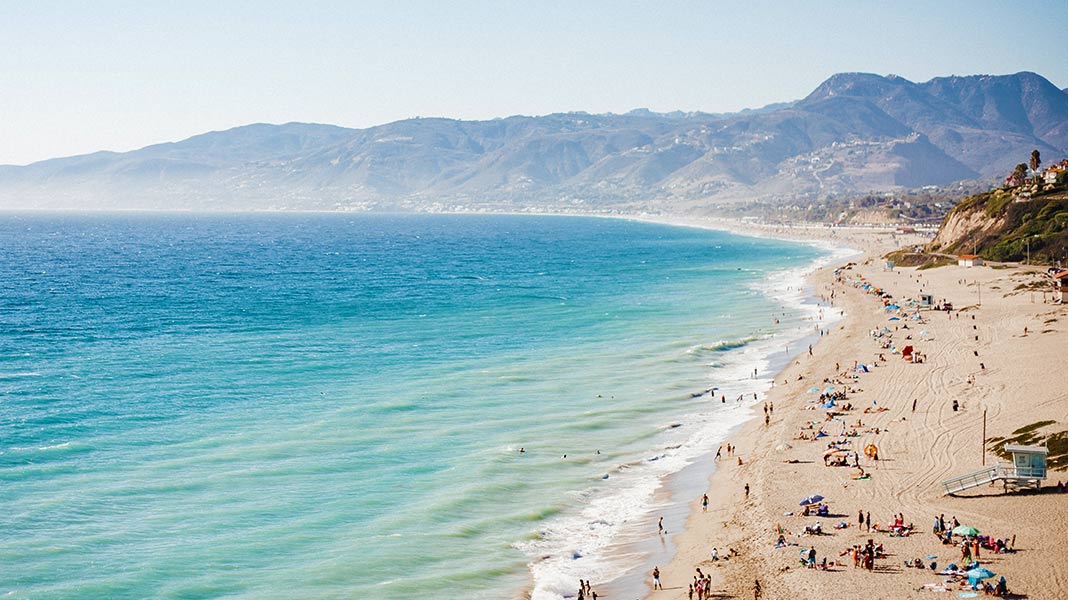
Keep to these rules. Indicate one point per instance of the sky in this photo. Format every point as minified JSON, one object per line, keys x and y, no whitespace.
{"x":78,"y":77}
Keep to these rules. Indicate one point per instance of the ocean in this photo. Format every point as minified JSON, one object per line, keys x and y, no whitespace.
{"x":364,"y":406}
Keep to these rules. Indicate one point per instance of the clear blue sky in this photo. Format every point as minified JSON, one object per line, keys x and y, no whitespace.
{"x":84,"y":76}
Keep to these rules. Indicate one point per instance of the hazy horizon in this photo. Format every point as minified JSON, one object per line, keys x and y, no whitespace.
{"x":113,"y":76}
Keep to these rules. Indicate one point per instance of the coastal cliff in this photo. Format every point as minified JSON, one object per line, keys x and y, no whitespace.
{"x":1008,"y":225}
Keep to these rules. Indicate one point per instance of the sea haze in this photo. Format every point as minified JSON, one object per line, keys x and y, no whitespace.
{"x":332,"y":406}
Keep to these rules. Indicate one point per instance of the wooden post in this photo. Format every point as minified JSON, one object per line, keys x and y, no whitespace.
{"x":984,"y":437}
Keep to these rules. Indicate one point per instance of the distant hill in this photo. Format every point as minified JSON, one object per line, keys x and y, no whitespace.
{"x":855,"y":132}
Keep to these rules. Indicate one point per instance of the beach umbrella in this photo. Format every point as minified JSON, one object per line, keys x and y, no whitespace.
{"x":813,"y":499}
{"x":979,"y":573}
{"x":828,"y":389}
{"x":966,"y":531}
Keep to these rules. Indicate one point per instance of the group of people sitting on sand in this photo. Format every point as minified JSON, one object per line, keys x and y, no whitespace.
{"x":897,"y":528}
{"x":819,"y":510}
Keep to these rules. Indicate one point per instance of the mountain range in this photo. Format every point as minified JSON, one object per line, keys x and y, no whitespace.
{"x":855,"y":133}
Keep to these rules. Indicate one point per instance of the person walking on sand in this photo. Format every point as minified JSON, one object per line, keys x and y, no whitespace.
{"x":660,"y":526}
{"x":656,"y":579}
{"x":747,"y":491}
{"x":758,"y":593}
{"x":719,"y":453}
{"x":704,"y":503}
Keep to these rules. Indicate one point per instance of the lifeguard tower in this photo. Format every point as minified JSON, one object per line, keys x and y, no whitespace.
{"x":1028,"y":467}
{"x":926,"y":300}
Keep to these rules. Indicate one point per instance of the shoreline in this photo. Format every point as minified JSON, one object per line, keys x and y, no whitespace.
{"x":675,"y":485}
{"x":671,"y":496}
{"x":745,"y":524}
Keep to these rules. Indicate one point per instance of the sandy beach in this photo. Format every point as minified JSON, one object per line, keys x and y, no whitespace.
{"x":977,"y":356}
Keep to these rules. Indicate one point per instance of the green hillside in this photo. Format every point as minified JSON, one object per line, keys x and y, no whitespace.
{"x":1001,"y":224}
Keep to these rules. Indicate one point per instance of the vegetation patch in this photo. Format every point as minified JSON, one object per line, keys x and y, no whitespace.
{"x":939,"y":262}
{"x":1012,"y":230}
{"x":908,"y":258}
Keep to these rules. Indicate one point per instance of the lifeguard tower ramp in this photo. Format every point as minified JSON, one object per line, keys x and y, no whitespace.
{"x":1028,"y":467}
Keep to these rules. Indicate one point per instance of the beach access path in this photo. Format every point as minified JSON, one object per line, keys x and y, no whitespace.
{"x":981,"y":358}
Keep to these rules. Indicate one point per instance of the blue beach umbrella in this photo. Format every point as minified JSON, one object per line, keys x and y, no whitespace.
{"x":978,"y":573}
{"x":893,"y":319}
{"x":813,"y":499}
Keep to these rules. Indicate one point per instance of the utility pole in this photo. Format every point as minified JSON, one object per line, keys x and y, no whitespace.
{"x":984,"y":438}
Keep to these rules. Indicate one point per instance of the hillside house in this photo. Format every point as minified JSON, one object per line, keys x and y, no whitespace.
{"x":1051,"y":174}
{"x":969,"y":260}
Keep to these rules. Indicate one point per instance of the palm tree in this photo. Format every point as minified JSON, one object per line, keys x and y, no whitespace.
{"x":1036,"y":160}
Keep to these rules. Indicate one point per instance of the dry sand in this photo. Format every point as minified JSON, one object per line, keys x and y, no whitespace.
{"x":1022,"y":383}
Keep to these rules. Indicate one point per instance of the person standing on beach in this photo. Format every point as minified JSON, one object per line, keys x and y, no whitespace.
{"x":660,"y":526}
{"x":719,"y":453}
{"x":860,"y":519}
{"x":867,"y":521}
{"x":656,"y":579}
{"x":704,"y":503}
{"x":758,"y":593}
{"x":747,"y":491}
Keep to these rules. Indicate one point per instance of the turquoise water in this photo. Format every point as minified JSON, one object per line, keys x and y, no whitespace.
{"x":331,"y":406}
